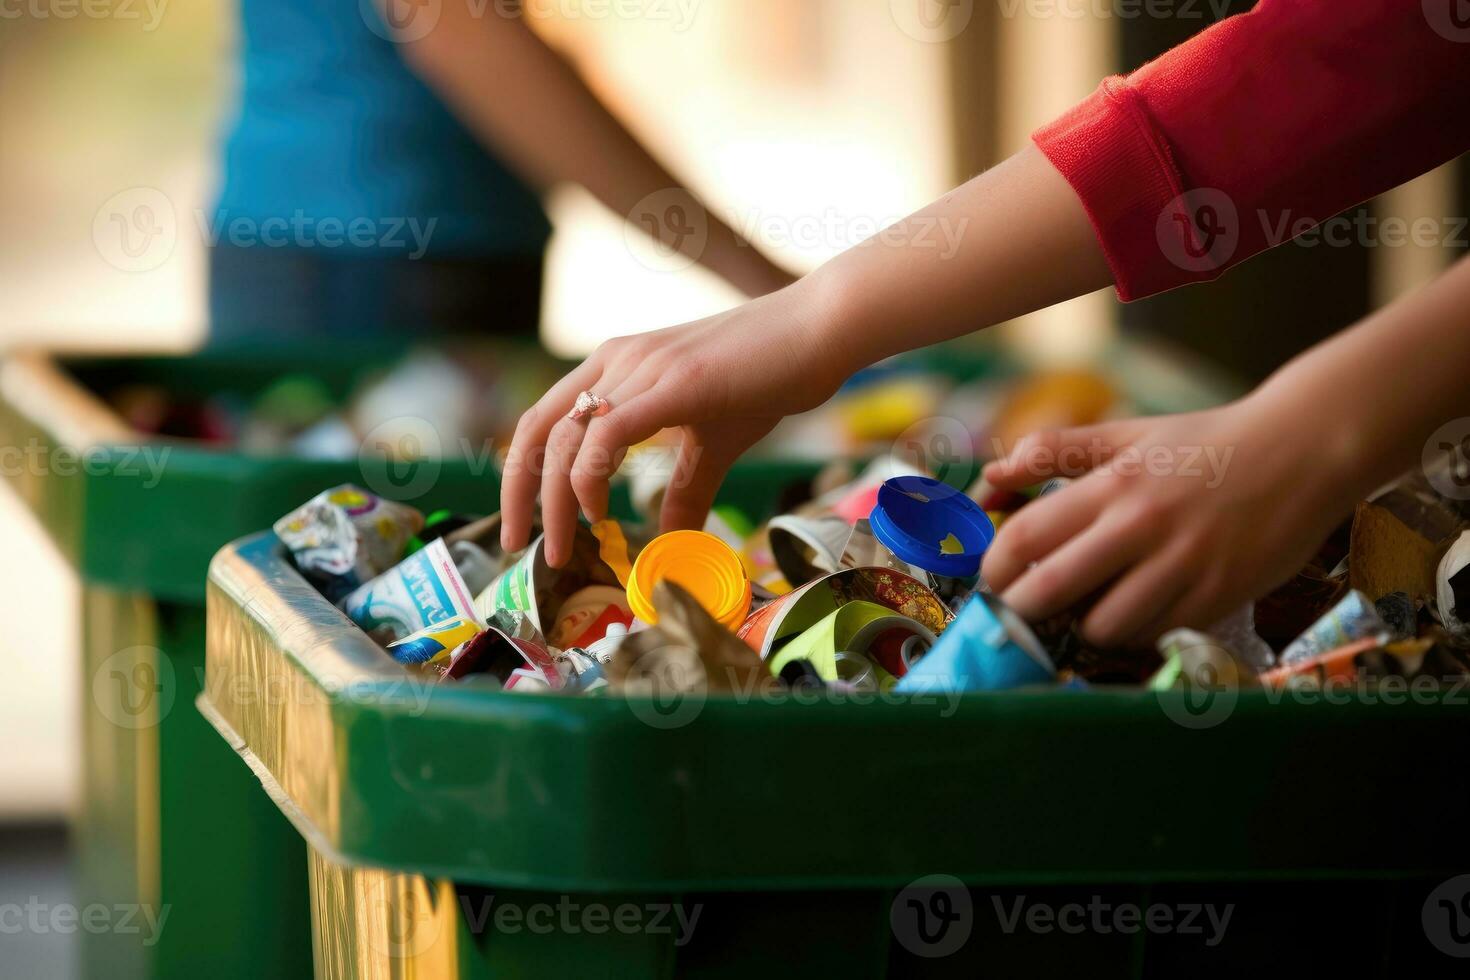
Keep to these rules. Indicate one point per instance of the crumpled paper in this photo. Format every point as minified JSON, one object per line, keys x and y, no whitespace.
{"x":687,"y":651}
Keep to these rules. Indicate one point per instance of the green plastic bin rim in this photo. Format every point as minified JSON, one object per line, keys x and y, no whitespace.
{"x":145,"y":515}
{"x":378,"y":767}
{"x":130,"y":524}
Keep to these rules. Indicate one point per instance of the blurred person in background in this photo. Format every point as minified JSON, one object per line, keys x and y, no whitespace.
{"x":384,"y":169}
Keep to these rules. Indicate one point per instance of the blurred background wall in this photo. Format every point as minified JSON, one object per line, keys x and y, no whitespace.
{"x":803,"y":121}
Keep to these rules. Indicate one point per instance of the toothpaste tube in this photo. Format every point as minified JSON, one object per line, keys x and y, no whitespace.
{"x":423,"y":590}
{"x":434,"y":643}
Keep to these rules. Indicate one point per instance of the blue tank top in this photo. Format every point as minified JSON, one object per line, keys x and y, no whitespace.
{"x":338,"y":146}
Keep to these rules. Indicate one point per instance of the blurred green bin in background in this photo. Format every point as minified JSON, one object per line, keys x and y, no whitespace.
{"x":169,"y":818}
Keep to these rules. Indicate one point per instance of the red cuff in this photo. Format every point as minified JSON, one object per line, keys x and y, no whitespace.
{"x":1122,"y":170}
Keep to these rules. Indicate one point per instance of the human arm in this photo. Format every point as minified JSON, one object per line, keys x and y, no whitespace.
{"x":1284,"y":109}
{"x":1176,"y":521}
{"x":529,"y":106}
{"x":1012,"y":240}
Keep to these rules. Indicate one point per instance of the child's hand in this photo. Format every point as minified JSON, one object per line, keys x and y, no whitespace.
{"x":1174,"y":521}
{"x":725,"y":381}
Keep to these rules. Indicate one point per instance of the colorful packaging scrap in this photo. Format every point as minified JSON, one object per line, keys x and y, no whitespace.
{"x":881,"y":592}
{"x":987,"y":648}
{"x":421,"y":591}
{"x":347,"y":536}
{"x":436,"y":643}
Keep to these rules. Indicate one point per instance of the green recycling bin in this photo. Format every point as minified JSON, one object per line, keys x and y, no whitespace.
{"x":169,"y":821}
{"x":455,"y":831}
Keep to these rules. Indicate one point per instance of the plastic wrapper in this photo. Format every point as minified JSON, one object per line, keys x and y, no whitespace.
{"x":346,"y":536}
{"x":422,"y":590}
{"x":520,"y":665}
{"x":435,"y":643}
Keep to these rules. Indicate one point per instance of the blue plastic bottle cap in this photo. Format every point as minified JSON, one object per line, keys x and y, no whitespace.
{"x":932,"y":525}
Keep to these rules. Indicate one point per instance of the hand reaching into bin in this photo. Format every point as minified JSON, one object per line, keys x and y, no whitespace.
{"x":725,"y":381}
{"x":1131,"y":187}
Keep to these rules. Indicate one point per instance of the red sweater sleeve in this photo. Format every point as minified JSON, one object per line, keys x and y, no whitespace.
{"x":1296,"y":110}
